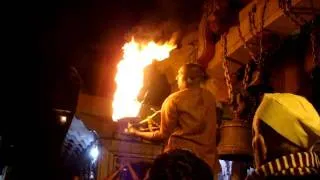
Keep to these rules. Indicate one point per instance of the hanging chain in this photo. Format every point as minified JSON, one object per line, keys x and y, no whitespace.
{"x":313,"y":38}
{"x":295,"y":15}
{"x":252,"y":23}
{"x":245,"y":45}
{"x":210,"y":6}
{"x":314,"y":47}
{"x":261,"y":58}
{"x":286,"y":6}
{"x":245,"y":80}
{"x":225,"y":68}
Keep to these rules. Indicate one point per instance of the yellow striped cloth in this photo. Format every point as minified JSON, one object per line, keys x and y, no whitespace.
{"x":297,"y":164}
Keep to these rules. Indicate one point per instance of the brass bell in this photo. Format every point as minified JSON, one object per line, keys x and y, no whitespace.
{"x":235,"y":140}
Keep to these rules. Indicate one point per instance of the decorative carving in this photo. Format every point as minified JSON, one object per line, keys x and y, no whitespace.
{"x":218,"y":16}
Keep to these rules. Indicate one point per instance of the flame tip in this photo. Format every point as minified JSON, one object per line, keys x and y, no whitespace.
{"x":129,"y":77}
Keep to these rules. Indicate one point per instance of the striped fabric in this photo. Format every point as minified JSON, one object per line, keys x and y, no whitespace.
{"x":297,"y":164}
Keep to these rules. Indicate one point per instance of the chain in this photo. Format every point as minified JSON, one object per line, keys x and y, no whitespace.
{"x":252,"y":23}
{"x":286,"y":6}
{"x":245,"y":45}
{"x":225,"y":68}
{"x":252,"y":55}
{"x":246,"y":76}
{"x":313,"y":39}
{"x":300,"y":18}
{"x":210,"y":7}
{"x":261,"y":58}
{"x":295,"y":15}
{"x":283,"y":4}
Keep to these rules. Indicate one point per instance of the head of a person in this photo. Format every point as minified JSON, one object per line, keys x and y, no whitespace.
{"x":283,"y":124}
{"x":191,"y":75}
{"x":179,"y":165}
{"x":154,"y":66}
{"x":213,"y":23}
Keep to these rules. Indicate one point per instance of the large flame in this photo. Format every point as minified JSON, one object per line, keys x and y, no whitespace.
{"x":129,"y":77}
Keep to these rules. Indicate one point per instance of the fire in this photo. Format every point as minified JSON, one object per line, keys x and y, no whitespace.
{"x":129,"y":77}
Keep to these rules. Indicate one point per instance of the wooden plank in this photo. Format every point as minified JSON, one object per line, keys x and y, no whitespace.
{"x":275,"y":21}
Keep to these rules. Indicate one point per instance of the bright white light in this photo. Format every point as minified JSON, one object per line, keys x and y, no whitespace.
{"x":91,"y":176}
{"x":94,"y":153}
{"x":63,"y":119}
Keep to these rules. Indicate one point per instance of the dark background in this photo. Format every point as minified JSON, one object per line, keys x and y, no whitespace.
{"x":40,"y":41}
{"x":87,"y":34}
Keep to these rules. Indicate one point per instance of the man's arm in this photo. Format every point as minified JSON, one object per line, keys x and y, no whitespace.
{"x":148,"y":135}
{"x":169,"y":119}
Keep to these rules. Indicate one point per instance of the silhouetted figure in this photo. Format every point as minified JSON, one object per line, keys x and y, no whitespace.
{"x":179,"y":165}
{"x":188,"y":118}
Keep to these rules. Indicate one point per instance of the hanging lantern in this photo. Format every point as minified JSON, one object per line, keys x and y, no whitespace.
{"x":235,"y":134}
{"x":235,"y":142}
{"x":235,"y":139}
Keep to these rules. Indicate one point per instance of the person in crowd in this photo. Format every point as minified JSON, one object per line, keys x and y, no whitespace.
{"x":286,"y":135}
{"x":179,"y":164}
{"x":188,"y":118}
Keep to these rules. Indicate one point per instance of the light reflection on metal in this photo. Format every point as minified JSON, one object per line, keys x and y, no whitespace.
{"x":63,"y":119}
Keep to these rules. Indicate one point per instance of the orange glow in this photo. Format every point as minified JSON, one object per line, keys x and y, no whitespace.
{"x":129,"y":77}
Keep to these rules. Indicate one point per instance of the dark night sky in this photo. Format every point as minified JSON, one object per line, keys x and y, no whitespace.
{"x":90,"y":35}
{"x":87,"y":34}
{"x":40,"y":40}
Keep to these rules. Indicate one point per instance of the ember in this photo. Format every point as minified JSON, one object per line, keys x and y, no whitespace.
{"x":129,"y":77}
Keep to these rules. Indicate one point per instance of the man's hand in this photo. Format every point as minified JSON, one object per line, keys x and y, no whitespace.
{"x":131,"y":130}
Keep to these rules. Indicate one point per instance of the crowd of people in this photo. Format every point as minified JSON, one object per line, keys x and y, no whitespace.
{"x":286,"y":134}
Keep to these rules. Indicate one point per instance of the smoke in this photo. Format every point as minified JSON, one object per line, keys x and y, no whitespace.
{"x":157,"y":31}
{"x":168,"y":20}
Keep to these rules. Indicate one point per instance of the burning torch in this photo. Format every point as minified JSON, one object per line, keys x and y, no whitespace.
{"x":152,"y":125}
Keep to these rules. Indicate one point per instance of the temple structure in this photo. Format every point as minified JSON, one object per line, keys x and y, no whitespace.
{"x":267,"y":44}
